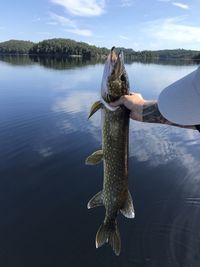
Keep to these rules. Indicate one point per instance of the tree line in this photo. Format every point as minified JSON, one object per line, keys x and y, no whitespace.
{"x":60,"y":47}
{"x":70,"y":48}
{"x":15,"y":47}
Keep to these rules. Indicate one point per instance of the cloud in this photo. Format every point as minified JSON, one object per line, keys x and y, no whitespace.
{"x":63,"y":21}
{"x":44,"y":33}
{"x":126,"y":3}
{"x":172,"y":31}
{"x":83,"y":32}
{"x":178,"y":4}
{"x":183,"y":6}
{"x":124,"y":37}
{"x":52,"y":23}
{"x":36,"y":19}
{"x":69,"y":24}
{"x":82,"y":7}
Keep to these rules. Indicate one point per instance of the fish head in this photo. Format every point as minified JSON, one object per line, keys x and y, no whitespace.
{"x":115,"y":80}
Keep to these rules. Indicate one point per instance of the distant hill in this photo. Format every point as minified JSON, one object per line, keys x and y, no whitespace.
{"x":15,"y":47}
{"x":67,"y":47}
{"x":70,"y":48}
{"x":161,"y":54}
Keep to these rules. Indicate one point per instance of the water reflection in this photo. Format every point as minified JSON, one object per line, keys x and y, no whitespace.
{"x":62,"y":63}
{"x":174,"y":62}
{"x":52,"y":62}
{"x":16,"y":60}
{"x":163,"y":143}
{"x":45,"y":137}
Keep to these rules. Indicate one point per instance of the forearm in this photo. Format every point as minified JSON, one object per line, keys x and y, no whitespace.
{"x":152,"y":114}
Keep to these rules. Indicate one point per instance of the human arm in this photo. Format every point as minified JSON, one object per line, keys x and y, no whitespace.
{"x":144,"y":110}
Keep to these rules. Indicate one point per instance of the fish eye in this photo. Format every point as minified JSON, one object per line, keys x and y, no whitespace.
{"x":123,"y":78}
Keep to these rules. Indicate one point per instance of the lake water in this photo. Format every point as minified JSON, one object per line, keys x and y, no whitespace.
{"x":45,"y":185}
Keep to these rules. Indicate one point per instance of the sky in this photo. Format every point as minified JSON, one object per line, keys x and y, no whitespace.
{"x":136,"y":24}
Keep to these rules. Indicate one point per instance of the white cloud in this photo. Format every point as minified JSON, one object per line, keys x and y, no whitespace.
{"x":124,"y":37}
{"x":181,"y":5}
{"x":52,"y":23}
{"x":173,"y":32}
{"x":83,"y":32}
{"x":43,"y":33}
{"x":126,"y":3}
{"x":82,"y":7}
{"x":178,"y":4}
{"x":36,"y":18}
{"x":63,"y":21}
{"x":69,"y":24}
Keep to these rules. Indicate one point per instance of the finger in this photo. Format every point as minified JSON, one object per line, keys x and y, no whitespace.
{"x":118,"y":102}
{"x":140,"y":96}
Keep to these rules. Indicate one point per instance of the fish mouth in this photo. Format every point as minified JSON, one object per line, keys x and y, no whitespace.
{"x":118,"y":63}
{"x":115,"y":80}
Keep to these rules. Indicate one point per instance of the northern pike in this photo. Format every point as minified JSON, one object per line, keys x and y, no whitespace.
{"x":115,"y":195}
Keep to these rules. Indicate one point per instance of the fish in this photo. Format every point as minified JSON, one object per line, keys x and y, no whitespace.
{"x":115,"y":195}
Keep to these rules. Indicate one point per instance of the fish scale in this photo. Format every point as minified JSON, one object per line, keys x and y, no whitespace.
{"x":115,"y":195}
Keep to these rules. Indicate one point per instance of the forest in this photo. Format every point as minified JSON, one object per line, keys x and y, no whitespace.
{"x":69,"y":48}
{"x":60,"y":47}
{"x":15,"y":47}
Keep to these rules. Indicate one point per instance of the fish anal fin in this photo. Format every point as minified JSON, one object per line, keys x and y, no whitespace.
{"x":94,"y":158}
{"x":96,"y":106}
{"x":96,"y":200}
{"x":128,"y":209}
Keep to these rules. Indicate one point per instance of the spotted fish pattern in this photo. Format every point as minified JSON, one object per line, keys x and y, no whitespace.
{"x":115,"y":195}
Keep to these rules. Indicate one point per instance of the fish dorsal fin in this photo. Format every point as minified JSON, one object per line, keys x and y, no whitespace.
{"x":96,"y":200}
{"x":128,"y":210}
{"x":94,"y":158}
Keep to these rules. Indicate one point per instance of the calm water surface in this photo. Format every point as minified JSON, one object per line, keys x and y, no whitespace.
{"x":45,"y":186}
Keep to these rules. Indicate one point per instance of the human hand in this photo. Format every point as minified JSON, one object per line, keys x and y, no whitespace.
{"x":134,"y":102}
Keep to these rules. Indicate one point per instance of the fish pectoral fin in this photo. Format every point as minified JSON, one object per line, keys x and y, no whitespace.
{"x":96,"y":200}
{"x":96,"y":106}
{"x":128,"y":209}
{"x":94,"y":158}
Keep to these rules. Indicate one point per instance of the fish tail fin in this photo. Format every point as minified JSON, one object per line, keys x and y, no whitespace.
{"x":109,"y":232}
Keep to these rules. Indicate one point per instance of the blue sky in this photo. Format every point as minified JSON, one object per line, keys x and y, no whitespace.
{"x":137,"y":24}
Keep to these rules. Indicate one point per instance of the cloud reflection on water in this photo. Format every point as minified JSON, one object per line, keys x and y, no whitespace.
{"x":163,"y":143}
{"x":166,"y":145}
{"x":152,"y":143}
